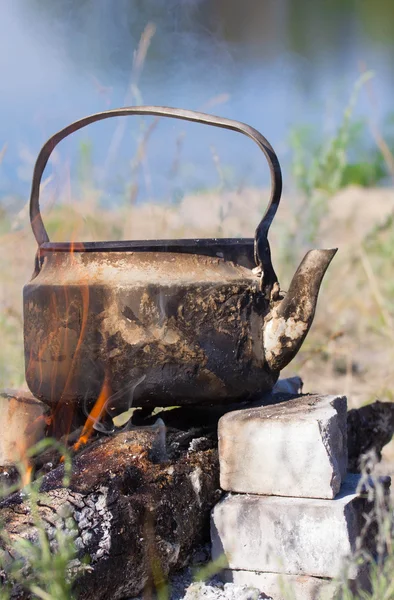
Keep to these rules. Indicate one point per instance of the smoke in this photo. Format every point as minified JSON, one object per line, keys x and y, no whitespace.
{"x":110,"y":404}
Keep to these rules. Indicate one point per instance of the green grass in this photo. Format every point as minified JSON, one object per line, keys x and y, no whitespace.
{"x":39,"y":565}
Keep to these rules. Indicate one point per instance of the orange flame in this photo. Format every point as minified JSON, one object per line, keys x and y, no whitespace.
{"x":26,"y":468}
{"x":94,"y":415}
{"x":27,"y":475}
{"x":63,"y":413}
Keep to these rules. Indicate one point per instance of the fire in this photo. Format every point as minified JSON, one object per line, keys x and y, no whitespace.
{"x":95,"y":414}
{"x":58,"y":355}
{"x":26,"y":467}
{"x":27,"y":475}
{"x":63,"y":413}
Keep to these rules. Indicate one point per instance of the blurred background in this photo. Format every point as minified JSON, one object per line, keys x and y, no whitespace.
{"x":315,"y":78}
{"x":276,"y":64}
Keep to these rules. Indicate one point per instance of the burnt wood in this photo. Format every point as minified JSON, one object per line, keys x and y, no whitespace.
{"x":369,"y":428}
{"x":139,"y":511}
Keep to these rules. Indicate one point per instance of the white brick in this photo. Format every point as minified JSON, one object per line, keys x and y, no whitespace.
{"x":297,"y":536}
{"x":294,"y":448}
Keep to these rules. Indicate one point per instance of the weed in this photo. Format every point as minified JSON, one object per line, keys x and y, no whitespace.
{"x":36,"y":563}
{"x":320,"y":170}
{"x":376,"y":561}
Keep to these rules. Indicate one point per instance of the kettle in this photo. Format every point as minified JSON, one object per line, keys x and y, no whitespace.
{"x":163,"y":322}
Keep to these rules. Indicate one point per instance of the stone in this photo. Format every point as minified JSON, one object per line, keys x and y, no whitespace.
{"x":22,"y":424}
{"x":282,"y":587}
{"x":229,"y":591}
{"x":293,"y":448}
{"x":297,"y":536}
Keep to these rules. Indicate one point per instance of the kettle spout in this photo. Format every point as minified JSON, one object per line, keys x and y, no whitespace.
{"x":292,"y":318}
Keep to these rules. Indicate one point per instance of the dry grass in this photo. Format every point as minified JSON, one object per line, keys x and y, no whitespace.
{"x":350,"y":347}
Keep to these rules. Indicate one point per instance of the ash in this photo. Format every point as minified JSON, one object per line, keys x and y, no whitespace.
{"x":216,"y":590}
{"x":182,"y":586}
{"x":183,"y":589}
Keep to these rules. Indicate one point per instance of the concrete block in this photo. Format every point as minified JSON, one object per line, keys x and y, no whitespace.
{"x":294,"y":448}
{"x":22,"y":424}
{"x":283,"y":587}
{"x":297,"y":536}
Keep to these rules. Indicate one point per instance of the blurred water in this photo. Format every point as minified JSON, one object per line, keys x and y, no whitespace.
{"x":271,"y":64}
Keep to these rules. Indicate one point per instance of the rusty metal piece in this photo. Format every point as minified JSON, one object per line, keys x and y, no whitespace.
{"x":162,"y":322}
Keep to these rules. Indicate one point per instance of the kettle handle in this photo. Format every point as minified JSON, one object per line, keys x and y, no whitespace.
{"x":261,"y":245}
